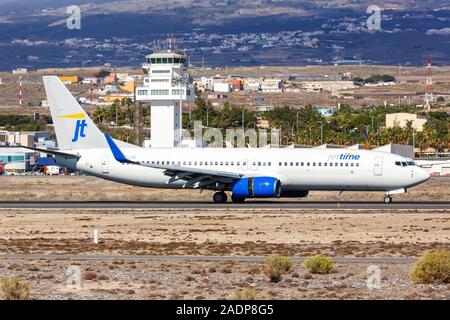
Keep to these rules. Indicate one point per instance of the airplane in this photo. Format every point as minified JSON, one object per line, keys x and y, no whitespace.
{"x":244,"y":172}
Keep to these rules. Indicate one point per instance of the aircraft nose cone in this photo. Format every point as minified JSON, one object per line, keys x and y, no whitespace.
{"x":422,"y":175}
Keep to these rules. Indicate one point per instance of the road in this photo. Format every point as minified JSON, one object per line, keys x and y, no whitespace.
{"x":209,"y":205}
{"x":343,"y":260}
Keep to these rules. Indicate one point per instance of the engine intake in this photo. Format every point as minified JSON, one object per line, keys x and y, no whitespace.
{"x":258,"y":187}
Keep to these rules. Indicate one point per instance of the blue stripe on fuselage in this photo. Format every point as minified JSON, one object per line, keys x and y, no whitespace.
{"x":118,"y":155}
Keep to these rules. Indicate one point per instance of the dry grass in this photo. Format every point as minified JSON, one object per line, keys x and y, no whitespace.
{"x":433,"y":267}
{"x":12,"y":288}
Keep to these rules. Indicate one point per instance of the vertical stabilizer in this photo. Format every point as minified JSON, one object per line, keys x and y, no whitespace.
{"x":74,"y":129}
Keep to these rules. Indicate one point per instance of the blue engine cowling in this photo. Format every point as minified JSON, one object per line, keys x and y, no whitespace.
{"x":258,"y":187}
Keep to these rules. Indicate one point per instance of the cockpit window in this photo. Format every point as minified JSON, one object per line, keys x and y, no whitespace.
{"x":405,"y":164}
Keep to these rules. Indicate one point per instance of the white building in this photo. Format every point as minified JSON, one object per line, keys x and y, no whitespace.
{"x":223,"y":87}
{"x":20,"y":71}
{"x":272,"y":85}
{"x":166,"y":85}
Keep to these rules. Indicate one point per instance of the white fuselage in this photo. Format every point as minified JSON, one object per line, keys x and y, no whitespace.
{"x":297,"y":169}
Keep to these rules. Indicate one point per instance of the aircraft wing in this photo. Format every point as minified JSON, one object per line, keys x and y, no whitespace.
{"x":194,"y":177}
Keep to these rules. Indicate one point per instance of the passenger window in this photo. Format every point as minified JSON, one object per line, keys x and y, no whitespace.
{"x":238,"y":164}
{"x":404,"y":164}
{"x":292,"y":164}
{"x":342,"y":164}
{"x":232,"y":163}
{"x":320,"y":164}
{"x":269,"y":164}
{"x":308,"y":164}
{"x":226,"y":163}
{"x":279,"y":164}
{"x":352,"y":164}
{"x":285,"y":164}
{"x":314,"y":164}
{"x":357,"y":164}
{"x":346,"y":164}
{"x":325,"y":164}
{"x":302,"y":164}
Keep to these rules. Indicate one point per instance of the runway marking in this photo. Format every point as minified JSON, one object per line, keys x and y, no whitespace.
{"x":207,"y":205}
{"x":343,"y":260}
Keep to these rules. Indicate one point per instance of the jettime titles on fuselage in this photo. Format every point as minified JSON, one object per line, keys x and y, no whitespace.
{"x":344,"y":156}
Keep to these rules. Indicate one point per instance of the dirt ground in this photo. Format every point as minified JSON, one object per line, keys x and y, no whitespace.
{"x":120,"y":279}
{"x":386,"y":233}
{"x":52,"y":188}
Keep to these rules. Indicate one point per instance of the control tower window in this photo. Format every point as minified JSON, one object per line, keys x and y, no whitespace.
{"x":158,"y":60}
{"x":164,"y":60}
{"x":170,"y":60}
{"x":152,"y":60}
{"x":177,"y":60}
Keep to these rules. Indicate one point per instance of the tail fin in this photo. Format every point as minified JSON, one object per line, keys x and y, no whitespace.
{"x":74,"y":129}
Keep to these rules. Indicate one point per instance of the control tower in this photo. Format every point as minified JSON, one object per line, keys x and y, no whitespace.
{"x":166,"y":85}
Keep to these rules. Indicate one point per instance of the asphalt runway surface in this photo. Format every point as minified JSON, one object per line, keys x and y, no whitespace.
{"x":343,"y":260}
{"x":405,"y":205}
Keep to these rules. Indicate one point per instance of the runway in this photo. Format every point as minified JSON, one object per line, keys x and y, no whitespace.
{"x":405,"y":205}
{"x":343,"y":260}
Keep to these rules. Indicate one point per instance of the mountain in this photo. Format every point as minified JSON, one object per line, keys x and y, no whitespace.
{"x":231,"y":32}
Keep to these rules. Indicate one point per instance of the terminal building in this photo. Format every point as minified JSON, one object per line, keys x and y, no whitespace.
{"x":166,"y":86}
{"x":13,"y":158}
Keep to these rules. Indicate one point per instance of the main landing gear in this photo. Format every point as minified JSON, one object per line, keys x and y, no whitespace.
{"x":220,"y":197}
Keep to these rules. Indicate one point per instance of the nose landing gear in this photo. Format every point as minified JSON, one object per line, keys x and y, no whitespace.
{"x":387,"y":199}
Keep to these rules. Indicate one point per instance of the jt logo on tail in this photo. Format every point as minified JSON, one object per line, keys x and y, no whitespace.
{"x":79,"y":130}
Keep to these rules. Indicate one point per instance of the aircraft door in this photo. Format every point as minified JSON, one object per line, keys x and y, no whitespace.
{"x":378,"y":166}
{"x":105,"y":164}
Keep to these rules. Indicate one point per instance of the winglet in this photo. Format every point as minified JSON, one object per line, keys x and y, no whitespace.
{"x":118,"y":155}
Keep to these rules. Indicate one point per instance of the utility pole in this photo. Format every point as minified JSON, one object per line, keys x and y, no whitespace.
{"x":429,"y":85}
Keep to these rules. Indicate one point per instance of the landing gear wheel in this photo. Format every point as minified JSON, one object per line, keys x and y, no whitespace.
{"x":387,"y":199}
{"x":220,"y":197}
{"x":237,"y":199}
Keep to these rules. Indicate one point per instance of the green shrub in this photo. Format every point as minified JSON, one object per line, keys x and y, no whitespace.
{"x":276,"y":266}
{"x":433,"y":267}
{"x":245,"y":294}
{"x":12,"y":289}
{"x":279,"y":263}
{"x":319,"y":265}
